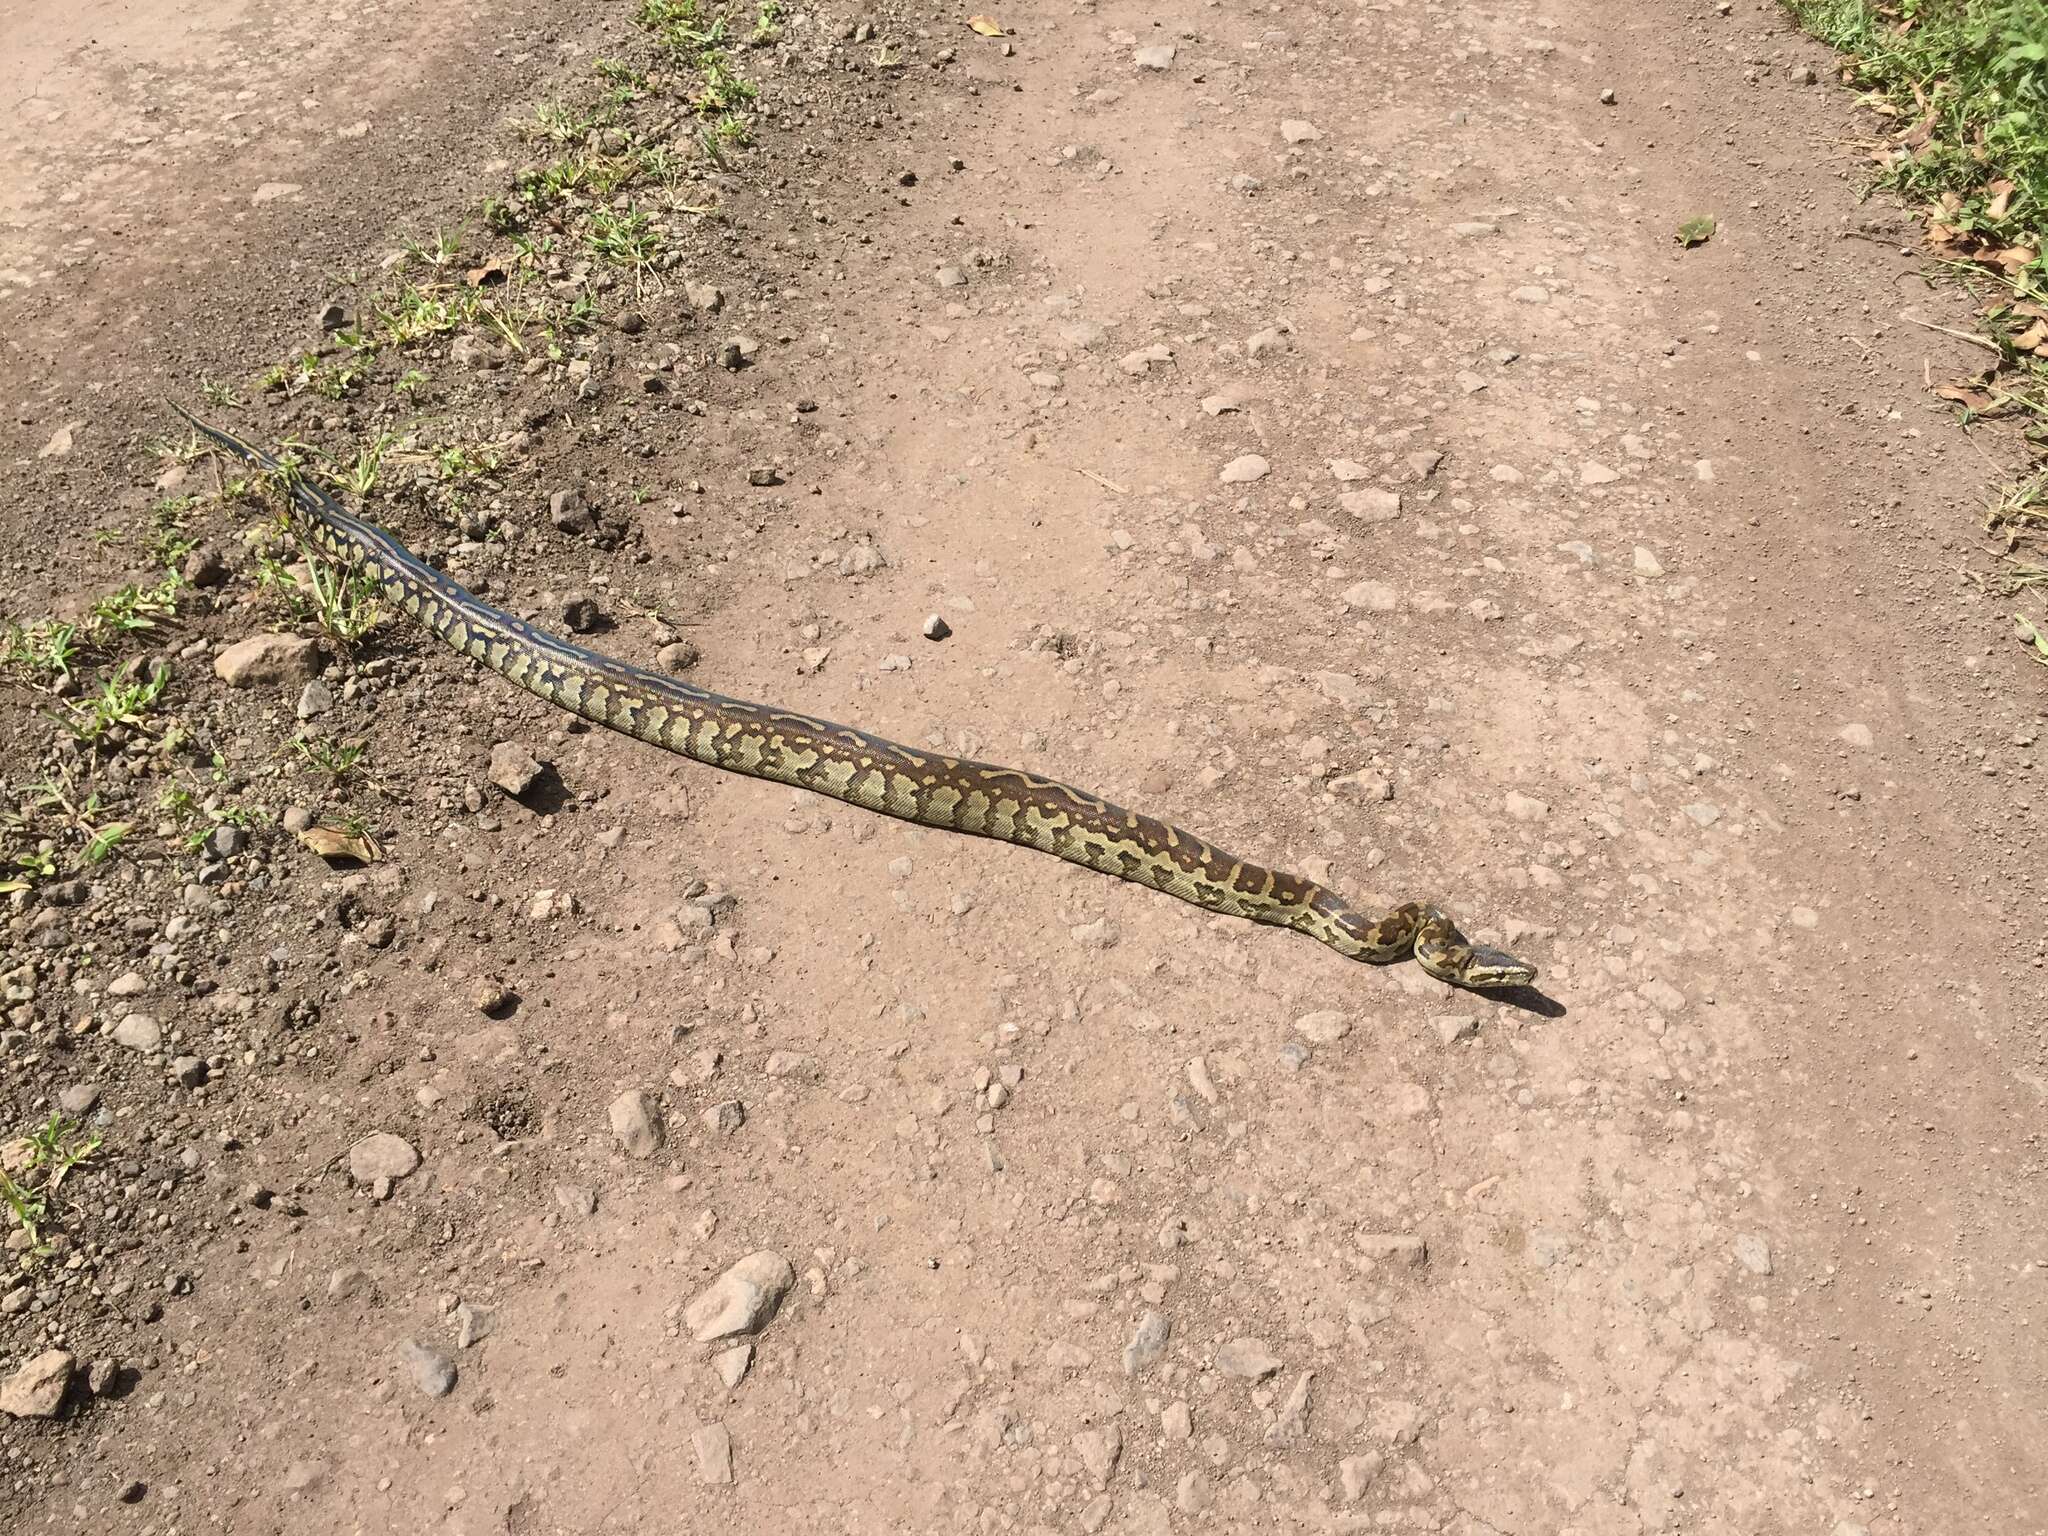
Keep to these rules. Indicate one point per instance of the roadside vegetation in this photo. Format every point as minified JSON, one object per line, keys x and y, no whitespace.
{"x":115,"y":756}
{"x":1963,"y":88}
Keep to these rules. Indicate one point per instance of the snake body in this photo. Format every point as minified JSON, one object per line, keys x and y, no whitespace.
{"x":930,"y":789}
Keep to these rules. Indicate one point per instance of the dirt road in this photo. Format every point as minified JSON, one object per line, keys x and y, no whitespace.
{"x":1311,"y":432}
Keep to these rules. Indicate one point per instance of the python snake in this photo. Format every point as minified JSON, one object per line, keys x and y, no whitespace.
{"x":865,"y":771}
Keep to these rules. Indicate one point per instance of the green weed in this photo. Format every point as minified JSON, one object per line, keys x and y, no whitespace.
{"x":32,"y":1167}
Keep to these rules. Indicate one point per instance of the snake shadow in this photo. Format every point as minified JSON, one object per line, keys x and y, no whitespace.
{"x":1530,"y":999}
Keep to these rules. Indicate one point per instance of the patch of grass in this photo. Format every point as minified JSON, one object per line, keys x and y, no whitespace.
{"x":336,"y":759}
{"x":625,"y":239}
{"x":169,"y":542}
{"x":124,"y":702}
{"x":32,"y":1167}
{"x":1967,"y":81}
{"x":1963,"y":88}
{"x":343,"y":602}
{"x":47,"y":652}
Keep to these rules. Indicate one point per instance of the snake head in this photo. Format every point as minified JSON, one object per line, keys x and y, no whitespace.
{"x":1487,"y":968}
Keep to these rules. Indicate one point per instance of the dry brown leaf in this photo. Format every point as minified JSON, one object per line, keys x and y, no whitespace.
{"x":1968,"y":399}
{"x":2014,"y":258}
{"x":2029,"y":310}
{"x":2001,"y":199}
{"x":333,"y":841}
{"x":2031,"y":339}
{"x":489,"y":275}
{"x":987,"y":26}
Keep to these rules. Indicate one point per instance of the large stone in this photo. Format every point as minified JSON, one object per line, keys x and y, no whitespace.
{"x":381,"y":1155}
{"x":637,"y":1122}
{"x":513,"y":769}
{"x":1247,"y":1359}
{"x":139,"y":1032}
{"x":741,"y":1300}
{"x":36,"y":1391}
{"x":261,"y":660}
{"x":432,"y":1371}
{"x":713,"y":1445}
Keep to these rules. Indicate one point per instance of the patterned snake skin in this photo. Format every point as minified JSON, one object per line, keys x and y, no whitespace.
{"x":866,"y":771}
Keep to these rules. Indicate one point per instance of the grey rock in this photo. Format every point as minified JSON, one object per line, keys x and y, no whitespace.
{"x":576,"y":1199}
{"x":1159,"y":56}
{"x":432,"y":1371}
{"x":935,"y":627}
{"x":570,"y":510}
{"x":381,"y":1155}
{"x":742,"y":1300}
{"x":1248,"y":1359}
{"x":951,"y":277}
{"x":1401,"y":1249}
{"x":1244,"y":469}
{"x":1453,"y":1027}
{"x":1148,"y":1341}
{"x":581,"y":613}
{"x":304,"y":1476}
{"x":36,"y":1390}
{"x":262,"y":660}
{"x":1356,"y":1474}
{"x":190,"y":1071}
{"x":704,"y":298}
{"x":139,"y":1032}
{"x":713,"y":1445}
{"x":205,"y":567}
{"x":1372,"y":596}
{"x":79,"y":1099}
{"x":725,"y":1117}
{"x":678,"y":656}
{"x":731,"y":1364}
{"x":1100,"y":1450}
{"x":344,"y":1283}
{"x":1398,"y":1421}
{"x":315,"y":699}
{"x":226,"y":840}
{"x":472,"y":1324}
{"x":1753,"y":1251}
{"x":334,"y":316}
{"x":1325,"y":1027}
{"x":638,"y":1123}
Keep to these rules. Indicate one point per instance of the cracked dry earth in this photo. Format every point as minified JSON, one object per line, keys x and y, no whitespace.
{"x":1335,"y":454}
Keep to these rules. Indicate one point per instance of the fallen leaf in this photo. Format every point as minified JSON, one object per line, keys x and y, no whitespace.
{"x":987,"y":26}
{"x":2001,"y":199}
{"x":1969,"y":399}
{"x":333,"y":841}
{"x":1697,"y":230}
{"x":2014,"y":258}
{"x":489,"y":275}
{"x":2031,"y":339}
